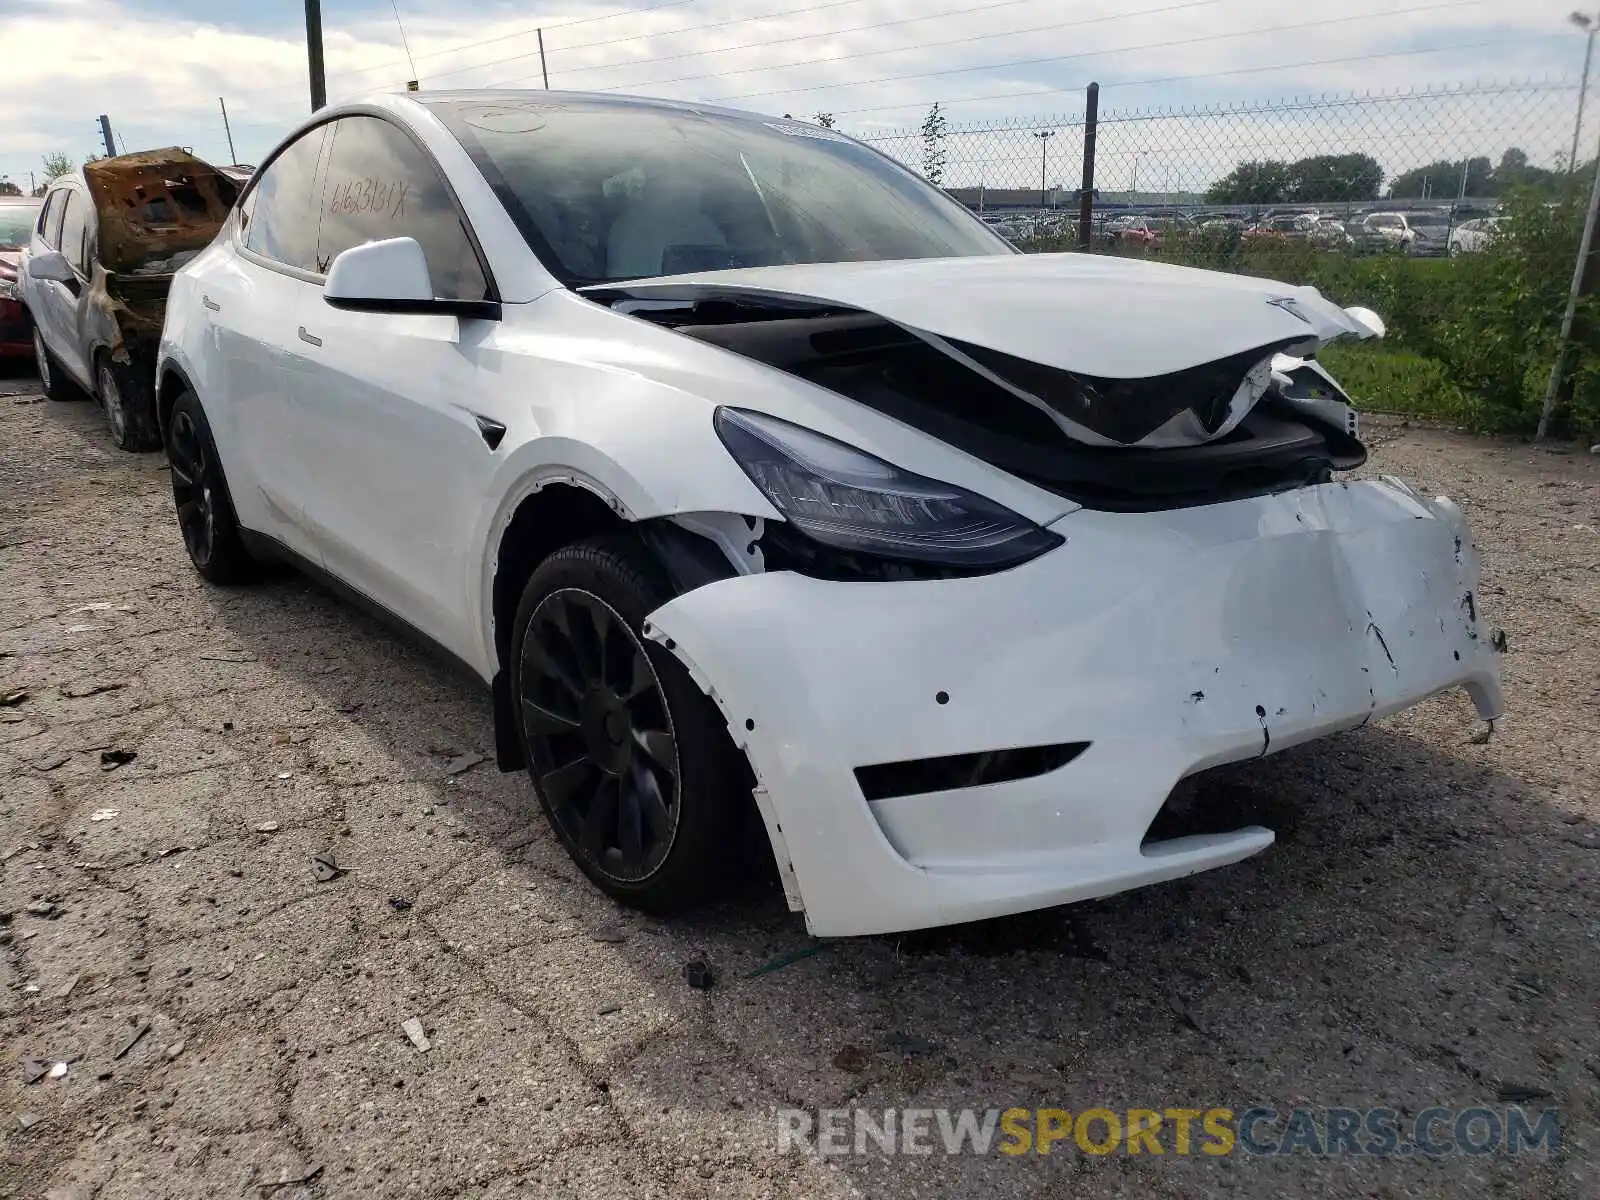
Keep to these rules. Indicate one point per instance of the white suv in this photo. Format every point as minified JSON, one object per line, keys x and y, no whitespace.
{"x":770,"y":491}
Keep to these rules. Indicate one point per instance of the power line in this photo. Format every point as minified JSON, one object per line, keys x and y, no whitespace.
{"x":633,"y":37}
{"x":1056,"y":58}
{"x":504,"y":37}
{"x":952,"y":12}
{"x":1132,"y":83}
{"x":960,"y":41}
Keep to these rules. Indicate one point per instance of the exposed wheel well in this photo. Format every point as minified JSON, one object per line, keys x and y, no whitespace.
{"x":171,"y":385}
{"x":552,"y":517}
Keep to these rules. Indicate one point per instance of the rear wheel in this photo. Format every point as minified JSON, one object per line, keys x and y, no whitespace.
{"x":200,"y":493}
{"x":51,"y":376}
{"x":630,"y":760}
{"x":128,"y":413}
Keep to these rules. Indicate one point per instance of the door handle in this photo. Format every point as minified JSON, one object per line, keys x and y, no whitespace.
{"x":210,"y":303}
{"x":309,"y":337}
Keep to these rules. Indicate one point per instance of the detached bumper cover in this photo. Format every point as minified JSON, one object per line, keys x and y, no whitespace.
{"x":1169,"y":641}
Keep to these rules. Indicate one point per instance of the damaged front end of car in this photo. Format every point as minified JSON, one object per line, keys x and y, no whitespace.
{"x":1120,"y":416}
{"x":983,"y":712}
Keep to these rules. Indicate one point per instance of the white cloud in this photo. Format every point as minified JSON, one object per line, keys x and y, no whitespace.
{"x":159,"y":77}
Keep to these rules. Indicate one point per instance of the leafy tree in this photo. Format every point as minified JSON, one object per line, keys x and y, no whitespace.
{"x":933,"y":149}
{"x":7,"y":188}
{"x":1514,"y":172}
{"x":1334,"y":177}
{"x":1320,"y":178}
{"x":1442,"y":180}
{"x":55,"y":165}
{"x":1261,"y":182}
{"x":825,"y":120}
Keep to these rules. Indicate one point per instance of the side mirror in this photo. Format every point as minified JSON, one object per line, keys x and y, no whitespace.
{"x":1368,"y":320}
{"x":391,"y":276}
{"x":51,"y":264}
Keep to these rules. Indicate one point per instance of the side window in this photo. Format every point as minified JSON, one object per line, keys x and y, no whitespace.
{"x":52,"y":228}
{"x":282,"y":206}
{"x":75,"y":230}
{"x":381,"y":185}
{"x":48,"y":211}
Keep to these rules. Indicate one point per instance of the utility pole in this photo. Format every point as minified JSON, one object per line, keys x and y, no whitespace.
{"x":543,"y":70}
{"x":319,"y":85}
{"x":105,"y":132}
{"x":233,"y":156}
{"x":1044,"y":149}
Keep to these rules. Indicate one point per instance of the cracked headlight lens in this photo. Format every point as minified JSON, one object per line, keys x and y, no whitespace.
{"x":848,"y":499}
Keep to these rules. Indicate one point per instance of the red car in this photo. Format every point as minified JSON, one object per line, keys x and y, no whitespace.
{"x":17,"y":217}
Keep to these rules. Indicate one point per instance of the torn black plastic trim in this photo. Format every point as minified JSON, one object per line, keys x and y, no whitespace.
{"x":917,"y":776}
{"x":1126,"y":411}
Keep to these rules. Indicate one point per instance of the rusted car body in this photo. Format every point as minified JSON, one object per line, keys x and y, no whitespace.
{"x":100,"y":266}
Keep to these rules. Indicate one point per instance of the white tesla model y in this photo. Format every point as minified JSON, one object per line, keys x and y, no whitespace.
{"x":768,"y":489}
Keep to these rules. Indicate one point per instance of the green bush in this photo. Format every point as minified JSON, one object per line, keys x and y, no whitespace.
{"x":1470,"y":339}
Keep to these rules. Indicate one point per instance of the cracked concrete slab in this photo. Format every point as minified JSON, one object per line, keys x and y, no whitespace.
{"x":1421,"y":934}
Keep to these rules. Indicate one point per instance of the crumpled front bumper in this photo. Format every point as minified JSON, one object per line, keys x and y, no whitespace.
{"x":1169,"y":641}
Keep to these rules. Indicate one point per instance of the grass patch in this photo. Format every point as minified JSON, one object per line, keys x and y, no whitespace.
{"x":1381,"y":378}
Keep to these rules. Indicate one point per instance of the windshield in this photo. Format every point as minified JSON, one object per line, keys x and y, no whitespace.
{"x":607,"y":190}
{"x":16,"y":224}
{"x":1430,"y":221}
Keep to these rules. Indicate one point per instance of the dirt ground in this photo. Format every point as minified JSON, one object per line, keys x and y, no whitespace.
{"x":1423,"y":933}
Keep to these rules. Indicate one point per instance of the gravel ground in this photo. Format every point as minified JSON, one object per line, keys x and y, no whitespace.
{"x":1422,"y":934}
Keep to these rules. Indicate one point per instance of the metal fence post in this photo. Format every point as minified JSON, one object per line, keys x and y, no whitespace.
{"x":1091,"y":124}
{"x":1579,"y":271}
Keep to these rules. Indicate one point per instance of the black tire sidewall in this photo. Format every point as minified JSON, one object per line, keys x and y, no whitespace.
{"x":139,"y":430}
{"x":229,"y":561}
{"x":621,"y":571}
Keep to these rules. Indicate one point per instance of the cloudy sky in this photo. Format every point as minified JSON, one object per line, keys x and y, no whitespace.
{"x":157,"y":67}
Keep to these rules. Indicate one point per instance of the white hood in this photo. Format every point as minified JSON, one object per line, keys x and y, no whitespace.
{"x":1095,"y":315}
{"x":1103,"y":321}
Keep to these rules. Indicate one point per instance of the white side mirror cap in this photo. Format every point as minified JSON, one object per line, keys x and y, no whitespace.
{"x":1368,"y":319}
{"x":50,"y":264}
{"x":386,"y":276}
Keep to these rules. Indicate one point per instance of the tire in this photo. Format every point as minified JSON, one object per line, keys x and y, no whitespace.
{"x":127,"y":404}
{"x":200,"y":494}
{"x":54,"y":380}
{"x":617,"y":736}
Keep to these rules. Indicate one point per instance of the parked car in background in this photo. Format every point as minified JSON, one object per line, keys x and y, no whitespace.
{"x":100,"y":260}
{"x":18,"y":214}
{"x":636,"y":407}
{"x":1382,"y":232}
{"x":1149,"y":232}
{"x":1469,"y":237}
{"x":1417,"y":234}
{"x":1281,"y":226}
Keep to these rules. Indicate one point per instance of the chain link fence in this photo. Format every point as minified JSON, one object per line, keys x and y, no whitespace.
{"x":1455,"y":212}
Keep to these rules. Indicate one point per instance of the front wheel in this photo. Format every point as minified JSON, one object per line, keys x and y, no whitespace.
{"x":631,"y":762}
{"x":200,"y":494}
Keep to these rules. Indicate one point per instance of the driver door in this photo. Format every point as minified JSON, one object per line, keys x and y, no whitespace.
{"x":395,"y":461}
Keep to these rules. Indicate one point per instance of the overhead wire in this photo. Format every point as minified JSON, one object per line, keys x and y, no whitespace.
{"x":1051,"y":58}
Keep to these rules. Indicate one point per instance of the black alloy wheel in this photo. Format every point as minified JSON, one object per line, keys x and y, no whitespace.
{"x":600,"y":736}
{"x":200,"y":494}
{"x":192,"y":487}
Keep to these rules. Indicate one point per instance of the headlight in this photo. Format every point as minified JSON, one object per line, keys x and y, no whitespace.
{"x":10,"y":289}
{"x":846,"y":499}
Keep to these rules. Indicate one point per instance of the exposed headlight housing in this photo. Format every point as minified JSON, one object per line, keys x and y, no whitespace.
{"x":853,"y":503}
